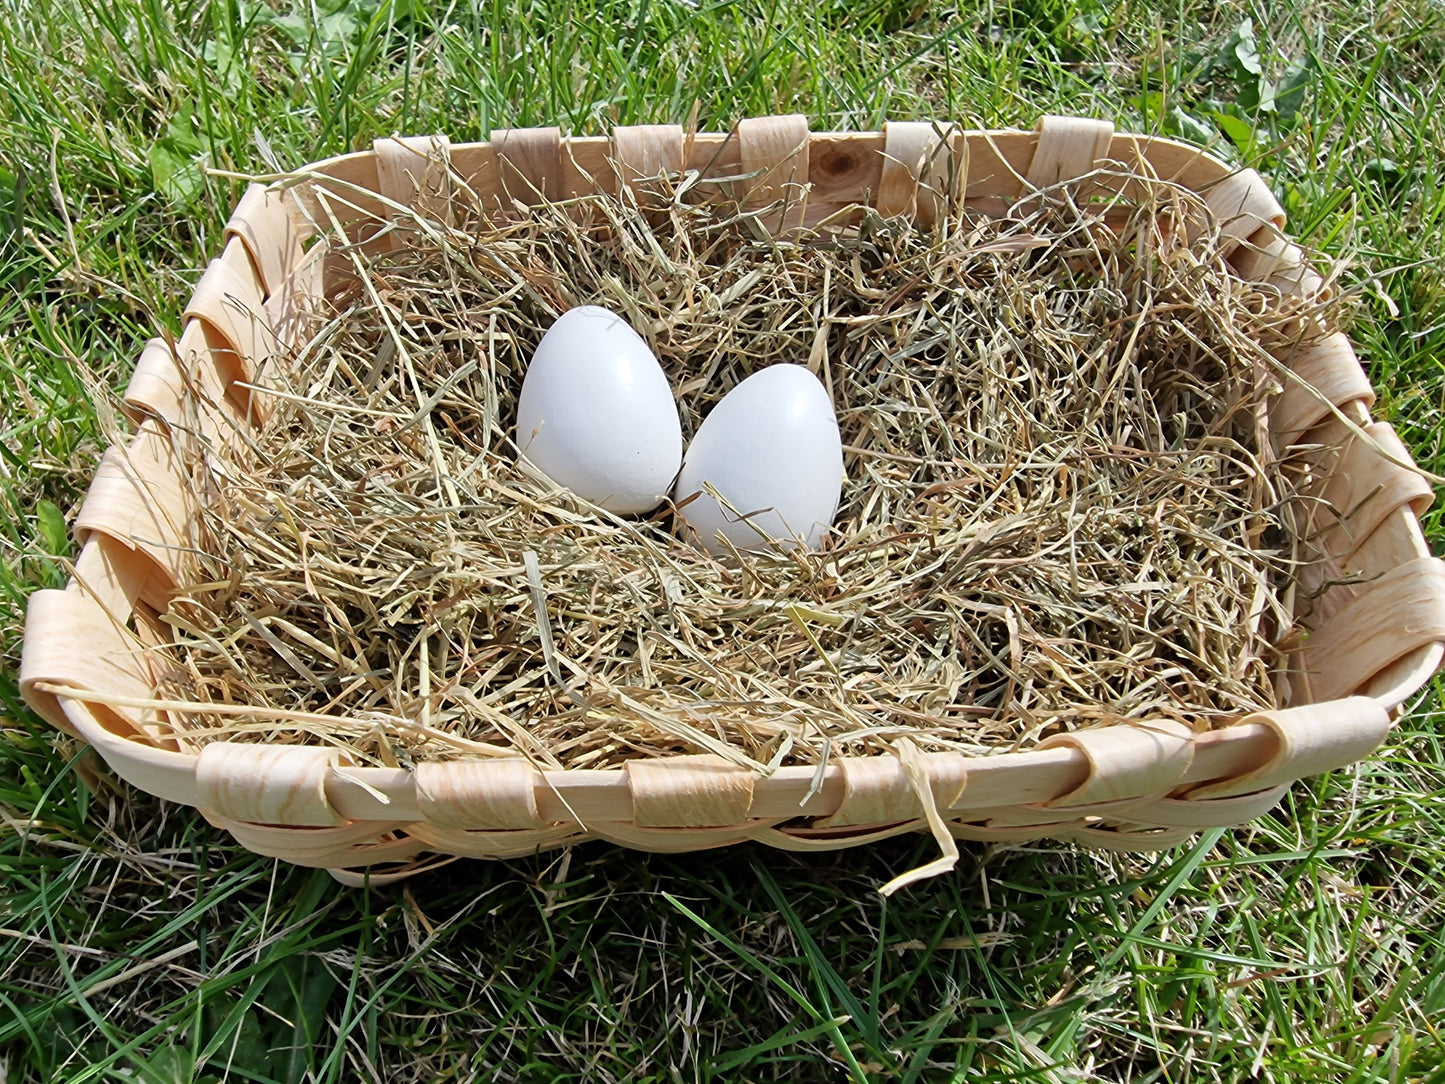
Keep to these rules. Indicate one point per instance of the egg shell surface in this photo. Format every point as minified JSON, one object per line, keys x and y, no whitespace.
{"x":770,"y":447}
{"x":596,"y":413}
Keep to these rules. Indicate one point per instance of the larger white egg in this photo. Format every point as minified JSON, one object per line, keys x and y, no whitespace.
{"x":596,"y":413}
{"x":771,"y":451}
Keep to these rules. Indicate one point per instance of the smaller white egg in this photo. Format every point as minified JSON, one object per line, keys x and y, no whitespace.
{"x":596,"y":413}
{"x":771,"y":450}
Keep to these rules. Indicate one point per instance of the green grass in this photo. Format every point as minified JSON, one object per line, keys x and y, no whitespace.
{"x":136,"y":943}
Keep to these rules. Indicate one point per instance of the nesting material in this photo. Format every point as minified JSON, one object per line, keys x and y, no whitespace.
{"x":1061,"y":504}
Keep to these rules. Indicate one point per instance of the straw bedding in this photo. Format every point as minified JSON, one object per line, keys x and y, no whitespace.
{"x":1061,"y":505}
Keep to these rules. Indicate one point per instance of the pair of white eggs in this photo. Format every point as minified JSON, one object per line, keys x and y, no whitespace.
{"x":596,"y":414}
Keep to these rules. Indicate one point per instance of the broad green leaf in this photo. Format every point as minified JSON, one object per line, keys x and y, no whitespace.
{"x":170,"y":1064}
{"x":1382,"y":169}
{"x":53,"y":531}
{"x":175,"y":172}
{"x":1239,"y":131}
{"x":1289,"y":96}
{"x":303,"y":986}
{"x":1191,"y":128}
{"x":175,"y":158}
{"x":1245,"y":48}
{"x":1254,"y":92}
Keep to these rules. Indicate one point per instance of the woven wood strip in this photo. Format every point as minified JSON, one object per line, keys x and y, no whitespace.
{"x":1324,"y":373}
{"x":924,"y":169}
{"x":714,"y":157}
{"x":1243,"y":205}
{"x":689,"y":792}
{"x":1068,"y":148}
{"x":1366,"y":488}
{"x":529,"y":163}
{"x":321,"y":847}
{"x":1046,"y":816}
{"x":1167,"y":159}
{"x":876,"y":790}
{"x":844,"y":167}
{"x":1395,"y":684}
{"x":1327,"y":587}
{"x":490,"y":794}
{"x":475,"y":166}
{"x":162,"y":772}
{"x":1196,"y":813}
{"x":71,"y":640}
{"x":647,"y":150}
{"x":265,"y":224}
{"x":1398,"y":541}
{"x":1269,"y":256}
{"x":267,"y":784}
{"x":137,"y":499}
{"x":1110,"y":836}
{"x":584,"y":168}
{"x":1308,"y":740}
{"x":809,"y":840}
{"x":667,"y":840}
{"x":605,"y":797}
{"x":675,"y":840}
{"x":218,"y":408}
{"x":230,"y":303}
{"x":415,"y":171}
{"x":498,"y":844}
{"x":379,"y":876}
{"x":389,"y":852}
{"x":293,"y":311}
{"x":983,"y":833}
{"x":343,"y":186}
{"x":1394,"y":616}
{"x":776,"y":151}
{"x":1126,"y":761}
{"x":1127,"y":838}
{"x":1129,"y":168}
{"x":156,"y":388}
{"x":116,"y":576}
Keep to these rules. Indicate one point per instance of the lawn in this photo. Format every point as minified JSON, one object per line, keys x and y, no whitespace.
{"x":139,"y":944}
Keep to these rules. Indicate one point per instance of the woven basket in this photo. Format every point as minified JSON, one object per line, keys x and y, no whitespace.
{"x":1378,"y":628}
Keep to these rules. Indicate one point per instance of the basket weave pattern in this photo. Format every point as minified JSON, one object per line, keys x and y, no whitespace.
{"x":1378,"y":609}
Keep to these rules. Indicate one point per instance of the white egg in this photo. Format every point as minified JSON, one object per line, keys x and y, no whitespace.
{"x":771,"y":450}
{"x":596,"y":413}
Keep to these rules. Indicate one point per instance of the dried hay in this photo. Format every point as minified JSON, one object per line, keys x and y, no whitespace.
{"x":1061,"y":507}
